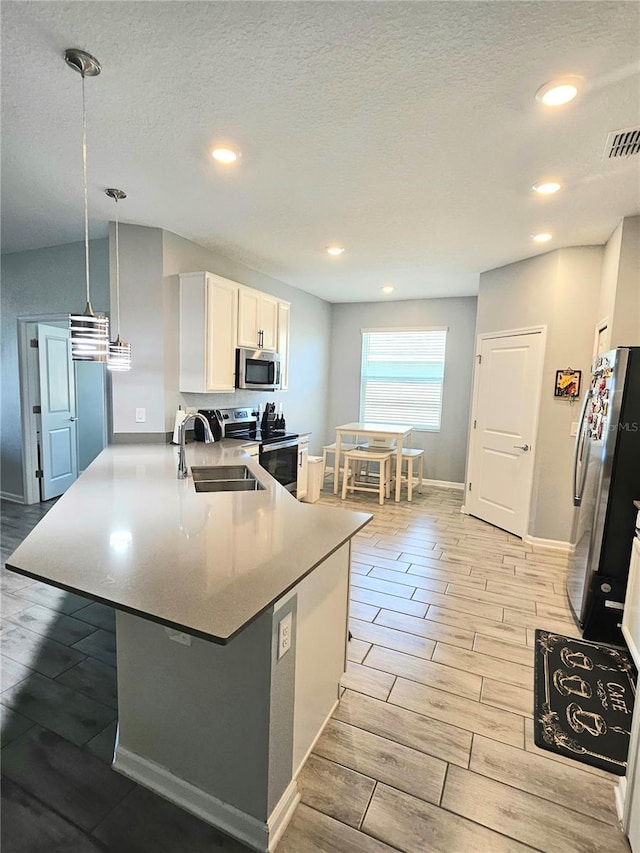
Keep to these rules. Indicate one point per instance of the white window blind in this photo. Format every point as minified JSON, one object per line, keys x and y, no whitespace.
{"x":402,"y":376}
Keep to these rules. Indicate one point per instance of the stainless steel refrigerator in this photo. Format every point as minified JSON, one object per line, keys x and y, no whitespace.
{"x":606,"y":481}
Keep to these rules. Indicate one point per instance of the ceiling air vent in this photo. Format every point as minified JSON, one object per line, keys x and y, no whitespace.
{"x":622,"y":143}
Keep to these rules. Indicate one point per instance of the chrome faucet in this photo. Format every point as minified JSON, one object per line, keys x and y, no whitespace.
{"x":182,"y":430}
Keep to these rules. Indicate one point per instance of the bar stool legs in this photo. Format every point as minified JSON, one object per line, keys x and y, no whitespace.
{"x":409,"y":455}
{"x":350,"y":482}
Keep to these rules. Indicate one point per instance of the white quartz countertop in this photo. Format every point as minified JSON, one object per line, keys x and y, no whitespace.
{"x":130,"y":534}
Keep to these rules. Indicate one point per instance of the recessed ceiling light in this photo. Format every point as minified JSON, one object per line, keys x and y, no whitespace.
{"x":224,"y":155}
{"x":335,"y":250}
{"x":559,"y":92}
{"x":543,"y":237}
{"x":388,"y":288}
{"x":546,"y":187}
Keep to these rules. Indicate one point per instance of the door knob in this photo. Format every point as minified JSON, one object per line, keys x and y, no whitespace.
{"x":73,"y":419}
{"x":524,"y":447}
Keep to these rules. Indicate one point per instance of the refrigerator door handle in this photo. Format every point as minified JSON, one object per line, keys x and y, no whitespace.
{"x":579,"y":489}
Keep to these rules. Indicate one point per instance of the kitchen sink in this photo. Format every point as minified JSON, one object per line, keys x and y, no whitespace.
{"x":225,"y":478}
{"x":248,"y":485}
{"x":221,"y":472}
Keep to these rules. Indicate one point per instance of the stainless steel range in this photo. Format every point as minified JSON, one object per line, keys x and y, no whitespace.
{"x":278,"y":448}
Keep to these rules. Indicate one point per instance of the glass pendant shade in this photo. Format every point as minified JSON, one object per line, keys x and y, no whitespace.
{"x":89,"y":331}
{"x":89,"y":336}
{"x":119,"y":355}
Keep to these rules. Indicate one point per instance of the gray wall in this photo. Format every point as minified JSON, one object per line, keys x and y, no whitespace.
{"x":559,"y":290}
{"x":445,"y":451}
{"x":40,"y":282}
{"x":142,"y":321}
{"x":304,"y":403}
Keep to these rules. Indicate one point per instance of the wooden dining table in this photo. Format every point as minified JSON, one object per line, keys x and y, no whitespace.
{"x":368,"y":429}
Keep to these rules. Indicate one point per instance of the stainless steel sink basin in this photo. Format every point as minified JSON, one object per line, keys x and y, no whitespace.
{"x":248,"y":485}
{"x":221,"y":472}
{"x":224,"y":478}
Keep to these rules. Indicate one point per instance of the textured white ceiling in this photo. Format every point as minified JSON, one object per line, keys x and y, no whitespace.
{"x":407,"y":131}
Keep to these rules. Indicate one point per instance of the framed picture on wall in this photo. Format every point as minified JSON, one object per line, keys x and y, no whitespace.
{"x":568,"y":383}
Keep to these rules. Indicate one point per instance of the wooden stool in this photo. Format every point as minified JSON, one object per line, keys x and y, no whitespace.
{"x":408,"y":456}
{"x":331,"y":448}
{"x":382,"y":457}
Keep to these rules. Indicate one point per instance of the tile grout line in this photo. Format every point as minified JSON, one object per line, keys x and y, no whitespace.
{"x":366,"y":808}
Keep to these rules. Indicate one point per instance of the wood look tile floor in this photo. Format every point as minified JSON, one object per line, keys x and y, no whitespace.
{"x":430,"y":749}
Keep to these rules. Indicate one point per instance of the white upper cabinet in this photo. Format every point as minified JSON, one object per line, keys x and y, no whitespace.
{"x":208,"y":332}
{"x":216,"y":316}
{"x":257,"y":320}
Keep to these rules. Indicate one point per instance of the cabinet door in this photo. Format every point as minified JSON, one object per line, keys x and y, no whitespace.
{"x":248,"y":317}
{"x":222,"y":322}
{"x":284,"y":314}
{"x":208,"y":330}
{"x":268,"y":323}
{"x":303,"y":471}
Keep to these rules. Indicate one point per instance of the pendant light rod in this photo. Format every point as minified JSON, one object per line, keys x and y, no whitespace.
{"x":87,"y":66}
{"x":117,"y":195}
{"x":89,"y":332}
{"x":119,"y":358}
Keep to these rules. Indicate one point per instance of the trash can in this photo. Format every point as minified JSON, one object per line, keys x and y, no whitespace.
{"x":315,"y":475}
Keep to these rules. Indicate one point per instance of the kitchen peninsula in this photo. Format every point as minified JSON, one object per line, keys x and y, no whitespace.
{"x":231,"y":624}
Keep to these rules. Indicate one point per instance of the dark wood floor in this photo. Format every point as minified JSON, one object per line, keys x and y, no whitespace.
{"x":58,"y":722}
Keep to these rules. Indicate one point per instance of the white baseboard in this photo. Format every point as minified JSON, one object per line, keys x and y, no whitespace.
{"x":549,"y":544}
{"x":620,"y":793}
{"x":444,"y":484}
{"x":246,"y":828}
{"x":282,"y":814}
{"x":9,"y":496}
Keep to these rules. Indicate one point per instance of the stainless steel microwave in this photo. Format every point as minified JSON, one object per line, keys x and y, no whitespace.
{"x":257,"y":369}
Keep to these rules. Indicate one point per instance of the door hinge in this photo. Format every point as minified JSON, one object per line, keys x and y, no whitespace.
{"x":39,"y":475}
{"x":469,"y":486}
{"x":474,"y":424}
{"x":33,"y":343}
{"x":479,"y":357}
{"x":37,"y":410}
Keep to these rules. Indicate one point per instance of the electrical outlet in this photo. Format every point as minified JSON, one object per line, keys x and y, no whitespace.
{"x":284,"y":635}
{"x":141,"y":416}
{"x":178,"y":637}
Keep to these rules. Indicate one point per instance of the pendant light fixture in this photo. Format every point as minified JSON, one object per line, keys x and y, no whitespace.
{"x":119,"y":357}
{"x":89,"y":331}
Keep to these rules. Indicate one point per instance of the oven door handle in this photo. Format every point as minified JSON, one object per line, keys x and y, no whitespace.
{"x":267,"y":448}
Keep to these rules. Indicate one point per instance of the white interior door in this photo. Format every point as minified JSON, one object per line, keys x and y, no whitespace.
{"x":58,"y":442}
{"x":507,"y":394}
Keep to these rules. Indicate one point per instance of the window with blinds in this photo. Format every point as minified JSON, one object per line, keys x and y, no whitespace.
{"x":402,"y":376}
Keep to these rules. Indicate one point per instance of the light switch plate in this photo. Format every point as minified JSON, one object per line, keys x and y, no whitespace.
{"x":574,"y":428}
{"x":141,"y":416}
{"x":284,"y":634}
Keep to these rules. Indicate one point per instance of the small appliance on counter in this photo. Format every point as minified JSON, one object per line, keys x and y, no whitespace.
{"x":215,"y":422}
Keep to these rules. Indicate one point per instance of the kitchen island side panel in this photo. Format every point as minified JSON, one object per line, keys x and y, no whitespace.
{"x":320,"y":640}
{"x":201,"y":710}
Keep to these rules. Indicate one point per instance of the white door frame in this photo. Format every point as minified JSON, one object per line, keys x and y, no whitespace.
{"x":506,"y":333}
{"x":28,"y":373}
{"x":602,"y":326}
